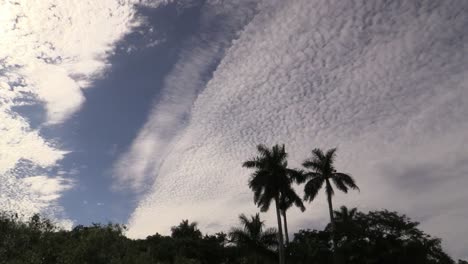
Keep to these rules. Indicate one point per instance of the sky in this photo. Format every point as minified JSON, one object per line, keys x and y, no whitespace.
{"x":141,"y":112}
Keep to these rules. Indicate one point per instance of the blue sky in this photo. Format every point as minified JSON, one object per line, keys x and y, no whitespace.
{"x":106,"y":125}
{"x":141,"y":112}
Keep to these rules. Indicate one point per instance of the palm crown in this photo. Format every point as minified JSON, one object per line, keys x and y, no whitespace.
{"x":345,"y":215}
{"x":272,"y":175}
{"x":322,"y":170}
{"x":253,"y":233}
{"x":186,"y":230}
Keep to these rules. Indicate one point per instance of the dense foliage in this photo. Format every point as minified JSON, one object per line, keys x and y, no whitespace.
{"x":374,"y":237}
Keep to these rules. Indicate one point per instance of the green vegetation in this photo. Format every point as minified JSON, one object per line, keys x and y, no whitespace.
{"x":352,"y":237}
{"x":374,"y":237}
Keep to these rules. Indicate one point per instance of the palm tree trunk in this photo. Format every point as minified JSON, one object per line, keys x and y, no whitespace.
{"x":280,"y":233}
{"x":332,"y":222}
{"x":285,"y":227}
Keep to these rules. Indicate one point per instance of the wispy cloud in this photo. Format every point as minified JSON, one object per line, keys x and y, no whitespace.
{"x":219,"y":25}
{"x":51,"y":51}
{"x":384,"y":81}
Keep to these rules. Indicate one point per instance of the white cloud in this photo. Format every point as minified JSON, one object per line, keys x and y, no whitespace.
{"x":35,"y":194}
{"x":51,"y":51}
{"x":384,"y":81}
{"x":58,"y":47}
{"x":18,"y":141}
{"x":45,"y":188}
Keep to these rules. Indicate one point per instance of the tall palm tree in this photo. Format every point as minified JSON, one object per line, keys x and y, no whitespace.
{"x":271,"y":178}
{"x":254,"y":238}
{"x":287,"y":200}
{"x":321,"y":170}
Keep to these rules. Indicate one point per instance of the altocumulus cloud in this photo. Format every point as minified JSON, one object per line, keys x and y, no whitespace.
{"x":385,"y":81}
{"x":219,"y":24}
{"x":51,"y":51}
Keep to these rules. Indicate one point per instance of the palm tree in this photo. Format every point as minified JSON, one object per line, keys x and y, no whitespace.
{"x":345,"y":220}
{"x":186,"y":230}
{"x":254,"y":238}
{"x":271,"y":178}
{"x":287,"y":200}
{"x":345,"y":215}
{"x":322,"y":170}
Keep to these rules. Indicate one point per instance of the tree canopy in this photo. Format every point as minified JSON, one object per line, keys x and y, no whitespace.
{"x":375,"y":237}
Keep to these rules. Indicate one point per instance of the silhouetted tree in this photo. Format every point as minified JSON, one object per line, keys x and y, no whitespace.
{"x":321,"y":170}
{"x":269,"y":180}
{"x":310,"y":247}
{"x":383,"y":237}
{"x":186,"y":230}
{"x":345,"y":218}
{"x":376,"y":237}
{"x":254,"y":239}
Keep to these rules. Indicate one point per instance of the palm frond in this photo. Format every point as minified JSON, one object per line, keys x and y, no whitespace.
{"x":243,"y":219}
{"x":312,"y":164}
{"x":330,"y":156}
{"x":316,"y":152}
{"x":346,"y":179}
{"x":259,"y":179}
{"x":296,"y":175}
{"x":264,"y":151}
{"x":255,"y":163}
{"x":298,"y":202}
{"x":279,"y":155}
{"x":269,"y":237}
{"x":343,"y":211}
{"x":344,"y":214}
{"x":257,"y":194}
{"x":288,"y":198}
{"x":312,"y":175}
{"x":239,"y":236}
{"x":340,"y":184}
{"x":312,"y":187}
{"x":264,"y":203}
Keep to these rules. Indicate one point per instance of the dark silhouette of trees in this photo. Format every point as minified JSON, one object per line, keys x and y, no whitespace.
{"x":385,"y":237}
{"x":376,"y":237}
{"x":344,"y":219}
{"x":256,"y":241}
{"x":271,"y":178}
{"x":186,"y":230}
{"x":310,"y":247}
{"x":321,"y":171}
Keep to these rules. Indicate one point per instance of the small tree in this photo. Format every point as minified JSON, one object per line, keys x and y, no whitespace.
{"x":254,"y":239}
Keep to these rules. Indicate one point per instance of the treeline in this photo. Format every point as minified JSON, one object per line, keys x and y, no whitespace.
{"x":378,"y":237}
{"x":352,"y":237}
